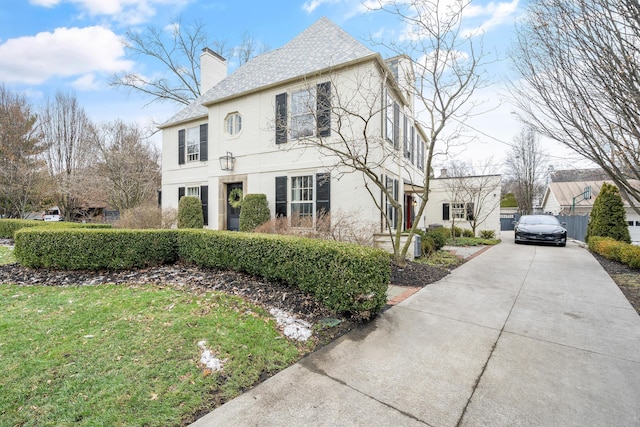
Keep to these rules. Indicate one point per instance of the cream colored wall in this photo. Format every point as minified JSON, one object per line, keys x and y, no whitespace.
{"x":259,"y":160}
{"x":439,"y":195}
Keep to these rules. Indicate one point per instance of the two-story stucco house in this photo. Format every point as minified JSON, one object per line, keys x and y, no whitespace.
{"x":263,"y":129}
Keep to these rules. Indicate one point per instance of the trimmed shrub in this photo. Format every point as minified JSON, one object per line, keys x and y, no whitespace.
{"x":345,"y":277}
{"x":487,"y":234}
{"x":8,"y":227}
{"x":190,"y":213}
{"x":444,"y":231}
{"x":94,"y":249}
{"x":630,"y":255}
{"x":254,"y":212}
{"x":608,"y":218}
{"x":467,"y":233}
{"x":438,"y":237}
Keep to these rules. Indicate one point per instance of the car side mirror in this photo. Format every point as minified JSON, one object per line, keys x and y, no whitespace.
{"x":564,"y":224}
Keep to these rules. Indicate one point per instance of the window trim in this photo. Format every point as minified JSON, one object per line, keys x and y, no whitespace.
{"x":194,"y":144}
{"x":233,"y":124}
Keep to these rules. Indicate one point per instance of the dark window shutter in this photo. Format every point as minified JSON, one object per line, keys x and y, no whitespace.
{"x":204,"y":199}
{"x":324,"y":108}
{"x":469,"y":207}
{"x":180,"y":192}
{"x":323,"y":193}
{"x":396,"y":126}
{"x":181,"y":148}
{"x":396,"y":194}
{"x":445,"y":212}
{"x":159,"y":198}
{"x":281,"y":196}
{"x":204,"y":136}
{"x":281,"y":118}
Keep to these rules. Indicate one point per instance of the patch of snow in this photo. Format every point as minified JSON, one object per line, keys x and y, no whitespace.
{"x":208,"y":359}
{"x":293,"y":327}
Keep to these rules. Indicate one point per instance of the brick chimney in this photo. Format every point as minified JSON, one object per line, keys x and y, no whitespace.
{"x":444,"y":173}
{"x":213,"y":69}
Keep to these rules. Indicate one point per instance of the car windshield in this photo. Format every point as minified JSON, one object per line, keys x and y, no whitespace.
{"x":539,"y":219}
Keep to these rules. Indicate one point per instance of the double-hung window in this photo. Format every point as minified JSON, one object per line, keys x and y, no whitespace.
{"x":302,"y":201}
{"x":458,"y":211}
{"x":303,"y":105}
{"x":193,"y":144}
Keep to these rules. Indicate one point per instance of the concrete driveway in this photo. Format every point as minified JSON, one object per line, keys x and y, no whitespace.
{"x":519,"y":335}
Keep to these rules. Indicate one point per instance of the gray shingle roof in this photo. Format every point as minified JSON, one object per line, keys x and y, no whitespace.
{"x":321,"y":46}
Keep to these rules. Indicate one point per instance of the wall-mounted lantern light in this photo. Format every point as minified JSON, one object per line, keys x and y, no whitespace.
{"x":227,"y":162}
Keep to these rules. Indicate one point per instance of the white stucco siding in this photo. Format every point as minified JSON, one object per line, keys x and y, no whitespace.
{"x":489,"y":205}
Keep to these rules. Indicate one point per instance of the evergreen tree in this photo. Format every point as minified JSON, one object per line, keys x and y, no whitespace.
{"x":254,"y":212}
{"x":190,"y":213}
{"x":608,"y":218}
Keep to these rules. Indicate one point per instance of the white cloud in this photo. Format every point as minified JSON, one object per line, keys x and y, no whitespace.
{"x":493,"y":15}
{"x":129,"y":12}
{"x":86,"y":83}
{"x":66,"y":52}
{"x":310,"y":5}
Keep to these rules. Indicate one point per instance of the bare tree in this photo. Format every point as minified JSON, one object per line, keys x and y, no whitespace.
{"x":439,"y":68}
{"x":581,"y":82}
{"x":129,"y":163}
{"x":475,"y":188}
{"x":21,"y":177}
{"x":68,"y":134}
{"x":527,"y":165}
{"x":176,"y":49}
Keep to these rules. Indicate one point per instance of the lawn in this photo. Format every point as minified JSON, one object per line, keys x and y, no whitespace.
{"x":6,"y":255}
{"x":128,"y":355}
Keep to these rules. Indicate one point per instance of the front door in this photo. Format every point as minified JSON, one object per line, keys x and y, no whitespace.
{"x":233,"y":214}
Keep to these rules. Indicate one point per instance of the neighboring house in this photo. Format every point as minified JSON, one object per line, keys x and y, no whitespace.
{"x":465,"y":202}
{"x":244,"y":132}
{"x":577,"y":197}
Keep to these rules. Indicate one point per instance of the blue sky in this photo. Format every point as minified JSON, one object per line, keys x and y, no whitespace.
{"x":50,"y":45}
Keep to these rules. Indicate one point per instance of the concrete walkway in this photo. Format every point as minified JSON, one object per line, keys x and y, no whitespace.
{"x":518,"y":335}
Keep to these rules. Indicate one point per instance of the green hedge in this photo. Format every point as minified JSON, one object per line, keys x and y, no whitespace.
{"x":94,"y":249}
{"x":345,"y":277}
{"x":615,"y":250}
{"x":8,"y":227}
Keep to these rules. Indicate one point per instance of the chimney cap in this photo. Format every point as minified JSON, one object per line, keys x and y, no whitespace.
{"x":206,"y":50}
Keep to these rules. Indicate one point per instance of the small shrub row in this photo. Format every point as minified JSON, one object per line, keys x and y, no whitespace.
{"x":94,"y":249}
{"x":8,"y":227}
{"x":615,"y":250}
{"x":433,"y":240}
{"x":345,"y":277}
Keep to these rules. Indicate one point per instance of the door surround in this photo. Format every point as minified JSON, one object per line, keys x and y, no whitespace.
{"x":222,"y":196}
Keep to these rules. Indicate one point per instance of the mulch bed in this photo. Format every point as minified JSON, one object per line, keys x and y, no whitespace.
{"x":627,"y":279}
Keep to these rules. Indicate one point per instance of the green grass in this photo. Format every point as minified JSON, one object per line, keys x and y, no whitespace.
{"x":127,"y":355}
{"x":6,"y":255}
{"x":471,"y":241}
{"x":441,"y":258}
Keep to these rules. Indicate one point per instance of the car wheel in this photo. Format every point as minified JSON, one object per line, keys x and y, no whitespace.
{"x":563,"y":244}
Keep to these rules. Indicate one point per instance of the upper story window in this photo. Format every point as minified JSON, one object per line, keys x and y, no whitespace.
{"x":233,"y":123}
{"x":392,"y":120}
{"x":303,"y":106}
{"x":193,"y":144}
{"x":303,"y":113}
